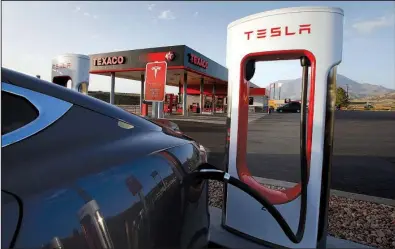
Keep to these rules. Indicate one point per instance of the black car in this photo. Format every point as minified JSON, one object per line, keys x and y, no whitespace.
{"x":290,"y":107}
{"x":80,"y":173}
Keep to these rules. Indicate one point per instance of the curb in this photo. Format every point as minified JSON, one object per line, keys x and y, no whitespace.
{"x":211,"y":121}
{"x":198,"y":120}
{"x":354,"y":196}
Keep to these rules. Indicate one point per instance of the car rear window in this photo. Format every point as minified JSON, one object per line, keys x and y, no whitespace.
{"x":16,"y":112}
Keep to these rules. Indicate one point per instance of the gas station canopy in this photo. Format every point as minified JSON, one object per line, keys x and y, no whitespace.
{"x":180,"y":59}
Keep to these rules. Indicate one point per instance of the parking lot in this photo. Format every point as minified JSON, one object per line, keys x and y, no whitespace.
{"x":364,"y":145}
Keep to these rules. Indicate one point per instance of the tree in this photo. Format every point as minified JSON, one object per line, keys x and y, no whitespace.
{"x":341,"y":97}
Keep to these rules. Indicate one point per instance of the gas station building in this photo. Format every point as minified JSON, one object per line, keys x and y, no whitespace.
{"x":193,"y":73}
{"x":197,"y":77}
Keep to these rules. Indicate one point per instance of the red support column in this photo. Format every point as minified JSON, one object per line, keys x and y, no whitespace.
{"x":144,"y":110}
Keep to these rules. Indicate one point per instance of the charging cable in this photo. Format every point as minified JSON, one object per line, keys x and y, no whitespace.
{"x":219,"y":175}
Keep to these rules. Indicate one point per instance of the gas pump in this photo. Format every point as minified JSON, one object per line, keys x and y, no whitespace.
{"x":179,"y":104}
{"x":220,"y":103}
{"x":295,"y":217}
{"x":169,"y":102}
{"x":71,"y":68}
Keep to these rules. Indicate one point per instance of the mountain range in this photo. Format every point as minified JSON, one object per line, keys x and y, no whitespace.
{"x":292,"y":88}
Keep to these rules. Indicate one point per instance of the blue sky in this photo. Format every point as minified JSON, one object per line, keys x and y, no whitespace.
{"x":35,"y":32}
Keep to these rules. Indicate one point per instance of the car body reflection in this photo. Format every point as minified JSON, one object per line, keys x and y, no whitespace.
{"x":135,"y":205}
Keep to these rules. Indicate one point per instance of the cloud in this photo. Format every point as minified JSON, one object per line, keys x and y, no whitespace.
{"x":167,"y":15}
{"x":196,"y":14}
{"x":77,"y":9}
{"x":151,"y":6}
{"x":368,"y":26}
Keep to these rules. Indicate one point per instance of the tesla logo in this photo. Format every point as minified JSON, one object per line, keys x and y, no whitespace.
{"x":169,"y":56}
{"x":195,"y":60}
{"x":61,"y":65}
{"x":278,"y":31}
{"x":112,"y":60}
{"x":156,"y":69}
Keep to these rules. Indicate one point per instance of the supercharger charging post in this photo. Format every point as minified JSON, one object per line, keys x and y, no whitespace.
{"x":313,"y":35}
{"x":72,"y":68}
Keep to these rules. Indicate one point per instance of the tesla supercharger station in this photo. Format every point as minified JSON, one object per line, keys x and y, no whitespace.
{"x":73,"y":67}
{"x":313,"y":35}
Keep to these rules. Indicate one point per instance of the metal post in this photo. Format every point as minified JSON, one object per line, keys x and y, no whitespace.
{"x":161,"y":113}
{"x":179,"y":91}
{"x":142,"y":78}
{"x":279,"y":90}
{"x":154,"y":110}
{"x":213,"y":99}
{"x":184,"y":96}
{"x":112,"y":93}
{"x":201,"y":104}
{"x":143,"y":106}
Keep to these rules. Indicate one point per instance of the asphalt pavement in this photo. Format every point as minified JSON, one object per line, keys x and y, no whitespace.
{"x":364,"y":149}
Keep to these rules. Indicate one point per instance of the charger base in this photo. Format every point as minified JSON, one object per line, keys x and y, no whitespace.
{"x":222,"y":238}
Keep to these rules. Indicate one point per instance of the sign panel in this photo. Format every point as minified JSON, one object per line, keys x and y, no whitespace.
{"x":133,"y":185}
{"x":155,"y":81}
{"x":197,"y":61}
{"x":111,"y":60}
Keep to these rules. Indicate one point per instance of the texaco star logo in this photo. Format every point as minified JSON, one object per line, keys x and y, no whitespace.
{"x":170,"y":56}
{"x":156,"y":69}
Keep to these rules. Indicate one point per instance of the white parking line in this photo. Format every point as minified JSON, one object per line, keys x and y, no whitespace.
{"x":255,"y":116}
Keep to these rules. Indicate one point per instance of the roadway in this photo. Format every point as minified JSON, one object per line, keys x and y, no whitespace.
{"x":364,"y":149}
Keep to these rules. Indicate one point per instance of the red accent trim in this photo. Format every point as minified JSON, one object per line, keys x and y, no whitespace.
{"x":257,"y":92}
{"x":208,"y":90}
{"x":274,"y":196}
{"x":159,"y":56}
{"x":143,"y":69}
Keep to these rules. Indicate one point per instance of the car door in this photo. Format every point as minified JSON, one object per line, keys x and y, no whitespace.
{"x":291,"y":107}
{"x":286,"y":108}
{"x":296,"y":107}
